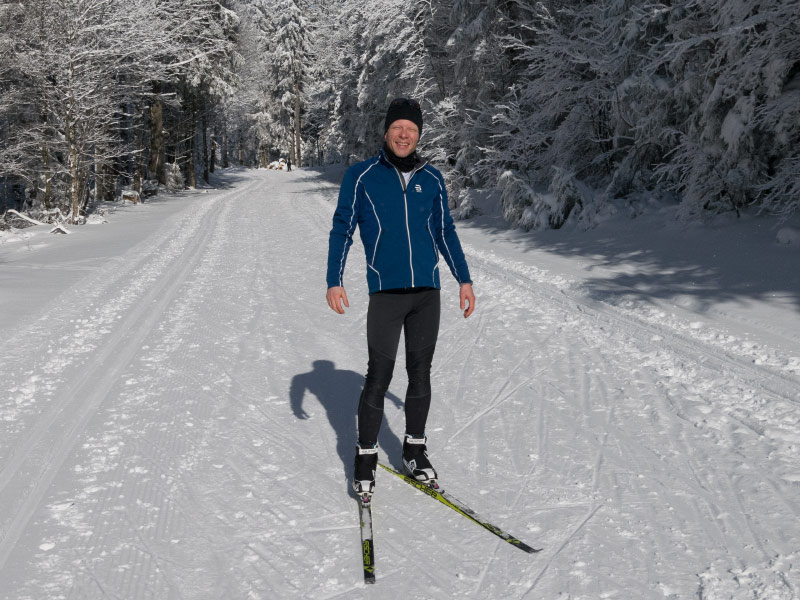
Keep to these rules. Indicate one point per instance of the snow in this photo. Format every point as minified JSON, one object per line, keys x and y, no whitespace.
{"x":789,"y":236}
{"x":177,"y":416}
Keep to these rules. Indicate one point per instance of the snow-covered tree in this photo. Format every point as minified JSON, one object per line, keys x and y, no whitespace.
{"x":565,"y":107}
{"x":74,"y":64}
{"x":291,"y":56}
{"x":381,"y":56}
{"x":204,"y":75}
{"x":639,"y":98}
{"x":735,"y":68}
{"x":467,"y":44}
{"x":558,"y":123}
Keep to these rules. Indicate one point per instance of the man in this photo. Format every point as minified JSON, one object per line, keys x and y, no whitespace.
{"x":399,"y":203}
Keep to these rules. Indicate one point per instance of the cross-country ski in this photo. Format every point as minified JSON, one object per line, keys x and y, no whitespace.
{"x":184,"y":424}
{"x":367,"y":538}
{"x":462,"y":509}
{"x":538,"y":260}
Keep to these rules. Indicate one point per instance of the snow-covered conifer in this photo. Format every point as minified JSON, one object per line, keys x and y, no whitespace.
{"x":290,"y":66}
{"x":75,"y":63}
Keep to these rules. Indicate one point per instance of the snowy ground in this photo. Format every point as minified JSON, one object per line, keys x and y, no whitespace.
{"x":177,"y":416}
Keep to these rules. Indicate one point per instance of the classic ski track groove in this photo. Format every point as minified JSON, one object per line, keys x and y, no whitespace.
{"x":588,"y":517}
{"x":118,"y":269}
{"x":497,"y":400}
{"x":759,"y":376}
{"x":79,"y":400}
{"x":720,"y":364}
{"x":239,"y":529}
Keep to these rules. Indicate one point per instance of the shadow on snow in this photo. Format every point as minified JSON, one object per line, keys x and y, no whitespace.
{"x":664,"y":259}
{"x":338,"y":392}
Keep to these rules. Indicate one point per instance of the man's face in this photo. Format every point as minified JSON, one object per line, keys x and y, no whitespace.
{"x":402,"y":137}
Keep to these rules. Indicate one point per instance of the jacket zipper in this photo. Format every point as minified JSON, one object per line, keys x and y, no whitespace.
{"x":408,"y":230}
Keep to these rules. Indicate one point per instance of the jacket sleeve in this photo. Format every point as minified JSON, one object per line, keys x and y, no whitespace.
{"x":345,"y":220}
{"x":447,"y":238}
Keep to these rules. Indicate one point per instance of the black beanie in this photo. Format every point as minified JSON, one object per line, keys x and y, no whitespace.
{"x":403,"y":108}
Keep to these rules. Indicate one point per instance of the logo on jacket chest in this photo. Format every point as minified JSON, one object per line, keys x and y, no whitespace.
{"x":417,"y":188}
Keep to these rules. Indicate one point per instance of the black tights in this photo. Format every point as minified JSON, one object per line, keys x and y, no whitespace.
{"x":416,"y":312}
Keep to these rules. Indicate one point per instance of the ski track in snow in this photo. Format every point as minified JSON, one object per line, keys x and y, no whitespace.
{"x":149,"y":416}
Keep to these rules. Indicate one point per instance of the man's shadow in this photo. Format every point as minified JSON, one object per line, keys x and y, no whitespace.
{"x":338,"y":392}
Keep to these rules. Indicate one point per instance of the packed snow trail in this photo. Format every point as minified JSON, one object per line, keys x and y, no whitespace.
{"x":178,"y":422}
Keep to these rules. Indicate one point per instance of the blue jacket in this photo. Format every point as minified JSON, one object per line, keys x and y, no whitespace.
{"x":403,"y":228}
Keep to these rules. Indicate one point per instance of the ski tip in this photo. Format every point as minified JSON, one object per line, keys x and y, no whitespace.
{"x":522,"y":545}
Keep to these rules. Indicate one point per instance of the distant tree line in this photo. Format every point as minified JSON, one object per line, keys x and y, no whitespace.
{"x":100,"y":95}
{"x":563,"y":109}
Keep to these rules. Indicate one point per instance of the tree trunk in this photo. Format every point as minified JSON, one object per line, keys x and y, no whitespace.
{"x":213,"y":164}
{"x":262,"y":157}
{"x":73,"y":166}
{"x":74,"y":184}
{"x":111,"y":183}
{"x":191,"y":126}
{"x":204,"y":127}
{"x":297,"y":162}
{"x":225,"y":163}
{"x":72,"y":161}
{"x":84,"y":191}
{"x":190,"y":158}
{"x":157,"y":168}
{"x":99,"y":177}
{"x":139,"y":168}
{"x":46,"y":176}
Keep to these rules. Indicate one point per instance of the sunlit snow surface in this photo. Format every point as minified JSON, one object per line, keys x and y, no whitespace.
{"x":178,"y":402}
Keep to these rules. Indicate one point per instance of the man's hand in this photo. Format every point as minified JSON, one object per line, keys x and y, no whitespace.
{"x":336,"y":296}
{"x":467,"y":297}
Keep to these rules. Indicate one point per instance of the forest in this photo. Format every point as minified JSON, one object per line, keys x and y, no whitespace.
{"x":559,"y":110}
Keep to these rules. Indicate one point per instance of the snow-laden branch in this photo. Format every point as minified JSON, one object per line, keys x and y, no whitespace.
{"x":24,"y":217}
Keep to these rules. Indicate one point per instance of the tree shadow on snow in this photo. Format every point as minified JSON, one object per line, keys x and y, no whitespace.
{"x":697,"y":265}
{"x":660,"y":258}
{"x":332,"y":174}
{"x":338,"y":392}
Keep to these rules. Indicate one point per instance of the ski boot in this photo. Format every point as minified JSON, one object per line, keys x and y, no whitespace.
{"x":416,"y":463}
{"x":364,"y":472}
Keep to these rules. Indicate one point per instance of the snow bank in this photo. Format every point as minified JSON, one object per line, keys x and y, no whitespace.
{"x":788,"y":236}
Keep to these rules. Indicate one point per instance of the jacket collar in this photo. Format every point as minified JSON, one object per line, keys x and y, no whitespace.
{"x":421,"y":162}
